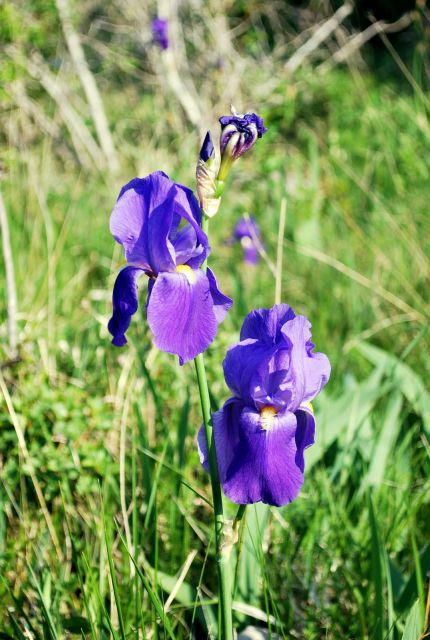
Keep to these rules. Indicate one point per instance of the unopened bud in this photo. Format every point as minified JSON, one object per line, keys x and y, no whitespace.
{"x":238,"y":134}
{"x":205,"y":176}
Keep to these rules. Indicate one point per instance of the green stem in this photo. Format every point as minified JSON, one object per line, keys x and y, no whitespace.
{"x":222,"y":554}
{"x":222,"y":550}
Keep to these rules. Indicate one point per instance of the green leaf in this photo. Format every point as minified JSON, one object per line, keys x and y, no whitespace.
{"x":406,"y":380}
{"x":413,"y":623}
{"x":343,"y":417}
{"x":388,"y":434}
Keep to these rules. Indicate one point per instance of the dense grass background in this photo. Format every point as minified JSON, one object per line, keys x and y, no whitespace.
{"x":97,"y":445}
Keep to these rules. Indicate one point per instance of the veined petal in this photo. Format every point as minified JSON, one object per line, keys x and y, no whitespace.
{"x":256,"y":464}
{"x":222,"y":303}
{"x":180,"y":313}
{"x":226,"y":438}
{"x":125,"y":304}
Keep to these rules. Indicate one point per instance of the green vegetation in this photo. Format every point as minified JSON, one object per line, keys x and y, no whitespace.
{"x":97,"y":444}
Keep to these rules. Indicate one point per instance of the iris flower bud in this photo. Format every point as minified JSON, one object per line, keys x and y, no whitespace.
{"x":238,"y":134}
{"x":207,"y":152}
{"x":205,"y":175}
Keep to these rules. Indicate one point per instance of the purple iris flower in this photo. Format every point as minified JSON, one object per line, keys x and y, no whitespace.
{"x":262,"y":431}
{"x":160,"y":32}
{"x":157,"y":222}
{"x":247,"y":232}
{"x":239,"y":133}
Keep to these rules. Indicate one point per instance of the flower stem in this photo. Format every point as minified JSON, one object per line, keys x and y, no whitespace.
{"x":222,"y":549}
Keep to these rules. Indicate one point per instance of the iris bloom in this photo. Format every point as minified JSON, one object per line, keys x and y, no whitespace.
{"x":157,"y":222}
{"x":238,"y":134}
{"x":262,"y":431}
{"x":160,"y":32}
{"x":247,"y":232}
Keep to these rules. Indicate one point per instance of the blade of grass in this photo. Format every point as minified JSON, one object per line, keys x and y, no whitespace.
{"x":376,"y":573}
{"x":419,"y":577}
{"x":155,"y":600}
{"x":113,"y":576}
{"x":100,"y":599}
{"x":50,"y":626}
{"x":79,"y":572}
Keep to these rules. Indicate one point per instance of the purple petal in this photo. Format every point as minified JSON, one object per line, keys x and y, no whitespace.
{"x":256,"y":464}
{"x":305,"y":433}
{"x":250,"y":253}
{"x":187,"y":248}
{"x":181,"y":314}
{"x":247,"y":232}
{"x":159,"y":28}
{"x":246,"y":228}
{"x":187,"y":208}
{"x":307,"y":372}
{"x":222,"y":303}
{"x":240,"y":365}
{"x":141,"y":221}
{"x":268,"y":383}
{"x":124,"y":300}
{"x":266,"y":324}
{"x":226,"y":440}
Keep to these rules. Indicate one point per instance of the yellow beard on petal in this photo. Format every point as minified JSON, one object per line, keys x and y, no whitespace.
{"x":187,"y":272}
{"x":267,"y":417}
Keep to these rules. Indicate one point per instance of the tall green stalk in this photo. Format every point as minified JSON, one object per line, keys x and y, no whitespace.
{"x":222,"y":547}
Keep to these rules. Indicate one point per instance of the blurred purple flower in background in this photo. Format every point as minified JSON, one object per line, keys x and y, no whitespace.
{"x":160,"y":32}
{"x":261,"y":433}
{"x":157,"y":222}
{"x":247,"y":232}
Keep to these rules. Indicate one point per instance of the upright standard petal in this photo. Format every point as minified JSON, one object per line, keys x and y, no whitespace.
{"x":266,"y":324}
{"x":125,"y":304}
{"x":242,"y":365}
{"x":307,"y":372}
{"x":187,"y":248}
{"x":188,"y":208}
{"x":181,"y":313}
{"x":141,"y":221}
